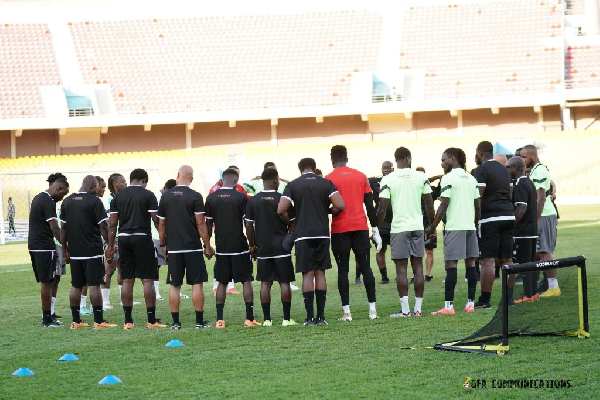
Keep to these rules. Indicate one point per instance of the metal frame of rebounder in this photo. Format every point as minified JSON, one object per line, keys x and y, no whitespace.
{"x":501,"y":349}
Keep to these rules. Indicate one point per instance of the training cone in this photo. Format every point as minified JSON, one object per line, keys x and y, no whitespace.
{"x":69,"y":357}
{"x":110,"y":380}
{"x":23,"y":372}
{"x":174,"y":343}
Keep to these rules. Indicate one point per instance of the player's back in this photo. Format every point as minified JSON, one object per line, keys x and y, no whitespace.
{"x":134,"y":205}
{"x":269,"y":228}
{"x":495,"y":178}
{"x":226,"y":207}
{"x":405,"y":188}
{"x":524,"y":192}
{"x":82,"y":213}
{"x":461,"y":188}
{"x":352,"y":186}
{"x":310,"y":194}
{"x":43,"y":209}
{"x":179,"y":206}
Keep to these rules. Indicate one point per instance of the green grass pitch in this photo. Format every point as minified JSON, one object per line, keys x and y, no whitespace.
{"x":361,"y":359}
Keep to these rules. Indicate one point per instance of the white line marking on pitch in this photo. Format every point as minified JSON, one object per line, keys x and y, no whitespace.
{"x":579,"y":225}
{"x":14,"y":270}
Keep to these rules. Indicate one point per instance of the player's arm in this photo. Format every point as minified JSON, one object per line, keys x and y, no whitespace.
{"x":337,"y":203}
{"x":371,"y":212}
{"x":104,"y":230}
{"x":154,"y":219}
{"x":162,"y":237}
{"x":520,"y":199}
{"x":441,"y":211}
{"x":429,"y":206}
{"x":113,"y":221}
{"x":381,"y":210}
{"x":477,"y":204}
{"x":282,"y":209}
{"x":541,"y":200}
{"x":63,"y":239}
{"x":202,"y":226}
{"x":520,"y":211}
{"x":251,"y":238}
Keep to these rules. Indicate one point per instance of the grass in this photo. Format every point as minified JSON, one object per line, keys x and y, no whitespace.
{"x":357,"y":360}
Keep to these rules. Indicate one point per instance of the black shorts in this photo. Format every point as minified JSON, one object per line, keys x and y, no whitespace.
{"x":278,"y":269}
{"x":353,"y":240}
{"x":137,"y":257}
{"x":237,"y":267}
{"x":385,"y":238}
{"x":191,"y":264}
{"x":524,"y":250}
{"x":495,"y":239}
{"x":312,"y":254}
{"x":44,"y":265}
{"x":431,"y":243}
{"x":88,"y":272}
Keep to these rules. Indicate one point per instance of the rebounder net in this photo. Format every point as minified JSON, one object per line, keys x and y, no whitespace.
{"x":562,"y":315}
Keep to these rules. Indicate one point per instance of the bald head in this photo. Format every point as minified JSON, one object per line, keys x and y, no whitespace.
{"x":516,"y":167}
{"x":516,"y":161}
{"x":386,"y":167}
{"x":501,"y":158}
{"x":89,"y":184}
{"x":185,"y":175}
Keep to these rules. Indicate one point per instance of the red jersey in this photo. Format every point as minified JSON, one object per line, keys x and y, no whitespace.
{"x":352,"y":185}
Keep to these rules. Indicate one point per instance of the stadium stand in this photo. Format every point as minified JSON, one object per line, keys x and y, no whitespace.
{"x":576,"y":7}
{"x":27,"y":61}
{"x":217,"y":63}
{"x":484,"y":48}
{"x":583,"y":66}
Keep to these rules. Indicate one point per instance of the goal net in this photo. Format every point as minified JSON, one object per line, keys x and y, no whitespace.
{"x":564,"y":315}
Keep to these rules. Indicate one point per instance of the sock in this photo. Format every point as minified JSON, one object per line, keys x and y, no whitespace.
{"x":250,"y":310}
{"x":534,"y":283}
{"x":220,"y":307}
{"x":175,"y":316}
{"x":346,"y":309}
{"x":105,"y":296}
{"x":266,"y":310}
{"x":151,"y":311}
{"x":552,"y":283}
{"x":471,"y":282}
{"x":404,"y":304}
{"x":46,"y":316}
{"x":485,"y":297}
{"x":384,"y":274}
{"x":156,"y":283}
{"x":321,"y":299}
{"x":52,"y":302}
{"x":308,"y":304}
{"x":287,"y":306}
{"x":449,"y":305}
{"x":127,"y":310}
{"x":418,"y":302}
{"x":215,"y":284}
{"x":510,"y":294}
{"x":450,"y":284}
{"x":230,"y":285}
{"x":199,"y":317}
{"x":83,"y":301}
{"x":98,"y":317}
{"x":372,"y":308}
{"x":357,"y":273}
{"x":527,"y":284}
{"x":75,"y":314}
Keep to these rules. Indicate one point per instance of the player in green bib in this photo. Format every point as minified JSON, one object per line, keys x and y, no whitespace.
{"x":547,"y":218}
{"x":460,"y":202}
{"x":405,"y":188}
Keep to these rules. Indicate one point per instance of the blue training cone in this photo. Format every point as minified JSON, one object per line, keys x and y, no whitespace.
{"x":110,"y":380}
{"x":69,"y":357}
{"x":23,"y":372}
{"x":174,"y":343}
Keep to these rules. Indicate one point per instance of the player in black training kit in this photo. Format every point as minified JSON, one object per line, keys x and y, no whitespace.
{"x":181,"y":226}
{"x":497,"y":218}
{"x":61,"y":266}
{"x":384,"y":230}
{"x":226,"y":207}
{"x":312,"y":196}
{"x":84,"y":225}
{"x":524,"y":198}
{"x":133,"y":208}
{"x":265,"y":234}
{"x":43,"y":227}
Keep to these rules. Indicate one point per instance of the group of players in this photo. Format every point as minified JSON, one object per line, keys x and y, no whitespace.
{"x":486,"y":214}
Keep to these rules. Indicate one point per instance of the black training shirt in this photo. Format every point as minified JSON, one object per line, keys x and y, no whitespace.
{"x":495,"y":178}
{"x":43,"y":209}
{"x":269,"y":229}
{"x":310,"y":195}
{"x":178,"y":207}
{"x":133,"y":204}
{"x":375,"y":183}
{"x":226,"y":208}
{"x":524,"y":193}
{"x":83,"y":213}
